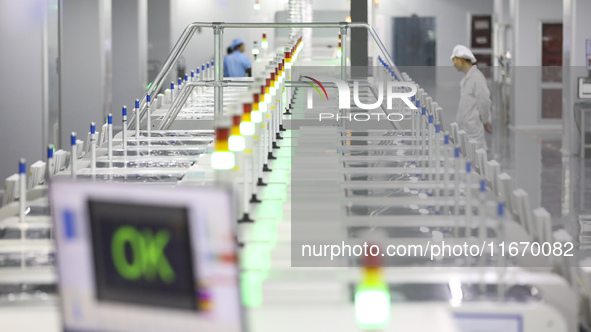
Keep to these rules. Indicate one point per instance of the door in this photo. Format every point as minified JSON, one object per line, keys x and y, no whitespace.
{"x":551,"y":78}
{"x":414,"y":41}
{"x":414,"y":47}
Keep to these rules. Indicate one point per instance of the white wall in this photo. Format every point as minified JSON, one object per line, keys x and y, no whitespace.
{"x":581,"y":32}
{"x":200,"y":50}
{"x":85,"y":66}
{"x":159,"y":43}
{"x":527,"y":59}
{"x":130,"y":37}
{"x":21,"y":33}
{"x":527,"y":26}
{"x":331,"y":4}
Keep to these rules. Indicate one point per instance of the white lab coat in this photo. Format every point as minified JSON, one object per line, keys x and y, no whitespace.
{"x":475,"y":106}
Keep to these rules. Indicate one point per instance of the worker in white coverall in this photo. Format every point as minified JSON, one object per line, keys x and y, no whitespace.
{"x":474,"y":111}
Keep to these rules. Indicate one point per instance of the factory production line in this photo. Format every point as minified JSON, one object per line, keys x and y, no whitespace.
{"x":286,"y":180}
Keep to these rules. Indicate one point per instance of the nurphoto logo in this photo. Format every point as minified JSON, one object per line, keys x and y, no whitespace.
{"x":344,"y":93}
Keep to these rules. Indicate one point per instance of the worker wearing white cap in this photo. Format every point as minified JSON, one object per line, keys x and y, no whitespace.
{"x":236,"y":63}
{"x":474,"y":111}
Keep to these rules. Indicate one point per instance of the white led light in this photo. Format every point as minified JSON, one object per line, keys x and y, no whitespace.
{"x":372,"y":307}
{"x":247,"y":128}
{"x":264,"y":44}
{"x":222,"y":160}
{"x":262,"y":107}
{"x":256,"y":116}
{"x":257,"y":6}
{"x":236,"y":143}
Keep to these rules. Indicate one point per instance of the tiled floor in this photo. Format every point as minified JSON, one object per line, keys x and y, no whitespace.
{"x":555,"y":182}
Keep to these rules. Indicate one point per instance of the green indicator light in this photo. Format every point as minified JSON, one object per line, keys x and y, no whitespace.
{"x":280,"y":176}
{"x":148,"y":259}
{"x":283,"y":163}
{"x":284,"y":153}
{"x":148,"y":87}
{"x":256,"y":256}
{"x":252,"y":293}
{"x":274,"y":191}
{"x":287,"y":142}
{"x":272,"y":209}
{"x":266,"y":232}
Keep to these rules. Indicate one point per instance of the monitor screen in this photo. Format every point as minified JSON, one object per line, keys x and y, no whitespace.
{"x":142,"y":255}
{"x":138,"y":258}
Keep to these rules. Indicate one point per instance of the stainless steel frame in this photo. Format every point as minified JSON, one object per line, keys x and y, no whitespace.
{"x":178,"y":102}
{"x":218,"y":29}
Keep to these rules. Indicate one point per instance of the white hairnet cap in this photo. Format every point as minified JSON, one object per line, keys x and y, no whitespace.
{"x":463,"y":52}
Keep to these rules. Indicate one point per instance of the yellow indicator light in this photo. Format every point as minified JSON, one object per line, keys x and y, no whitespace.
{"x":222,"y":160}
{"x":221,"y":145}
{"x":235,"y":131}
